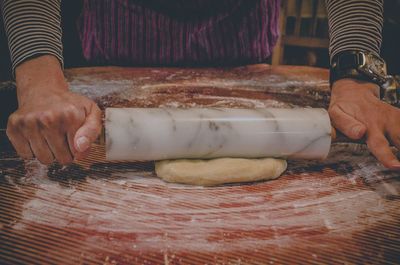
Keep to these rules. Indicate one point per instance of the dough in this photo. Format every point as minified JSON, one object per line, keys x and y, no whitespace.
{"x":219,"y":171}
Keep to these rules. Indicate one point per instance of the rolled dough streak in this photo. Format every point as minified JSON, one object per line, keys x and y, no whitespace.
{"x":219,"y":171}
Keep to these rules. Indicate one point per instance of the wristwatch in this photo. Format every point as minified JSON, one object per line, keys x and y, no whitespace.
{"x":390,"y":90}
{"x":358,"y":65}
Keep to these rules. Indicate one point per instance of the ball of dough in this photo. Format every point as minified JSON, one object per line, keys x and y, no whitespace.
{"x":219,"y":171}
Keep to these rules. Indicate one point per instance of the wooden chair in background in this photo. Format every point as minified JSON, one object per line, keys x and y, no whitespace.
{"x":304,"y":37}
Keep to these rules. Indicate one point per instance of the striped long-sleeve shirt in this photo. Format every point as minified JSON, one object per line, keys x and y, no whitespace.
{"x":33,"y":28}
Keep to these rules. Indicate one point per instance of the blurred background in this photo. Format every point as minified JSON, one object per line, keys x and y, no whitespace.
{"x":304,"y":36}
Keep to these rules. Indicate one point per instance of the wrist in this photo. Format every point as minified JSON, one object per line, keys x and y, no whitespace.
{"x":42,"y":69}
{"x":361,"y":65}
{"x":37,"y":75}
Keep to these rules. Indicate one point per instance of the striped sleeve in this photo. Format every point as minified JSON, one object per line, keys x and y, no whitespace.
{"x":33,"y":28}
{"x":355,"y":25}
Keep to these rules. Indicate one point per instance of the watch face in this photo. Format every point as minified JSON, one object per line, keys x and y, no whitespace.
{"x":377,"y":66}
{"x":374,"y":67}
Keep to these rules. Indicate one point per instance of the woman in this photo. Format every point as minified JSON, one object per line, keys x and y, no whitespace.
{"x":53,"y":123}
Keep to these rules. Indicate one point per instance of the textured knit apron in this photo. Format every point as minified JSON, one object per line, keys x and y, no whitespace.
{"x":178,"y":32}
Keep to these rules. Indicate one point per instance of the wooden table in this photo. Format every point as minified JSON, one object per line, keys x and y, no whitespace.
{"x":342,"y":210}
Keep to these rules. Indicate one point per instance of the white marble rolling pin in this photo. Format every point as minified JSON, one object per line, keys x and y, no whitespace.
{"x":157,"y":134}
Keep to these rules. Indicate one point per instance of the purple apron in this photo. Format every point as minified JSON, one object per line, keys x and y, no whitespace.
{"x":179,"y":32}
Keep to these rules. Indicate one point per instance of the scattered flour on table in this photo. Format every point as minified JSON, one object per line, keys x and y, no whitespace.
{"x":165,"y":216}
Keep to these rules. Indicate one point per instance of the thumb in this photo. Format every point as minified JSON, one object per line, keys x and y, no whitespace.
{"x":346,"y":123}
{"x":89,"y":131}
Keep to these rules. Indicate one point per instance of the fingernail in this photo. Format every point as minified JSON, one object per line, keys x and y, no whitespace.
{"x":357,"y":130}
{"x":82,"y":144}
{"x":394,"y":165}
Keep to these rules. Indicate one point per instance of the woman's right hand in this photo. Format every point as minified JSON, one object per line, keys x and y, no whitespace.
{"x":51,"y":122}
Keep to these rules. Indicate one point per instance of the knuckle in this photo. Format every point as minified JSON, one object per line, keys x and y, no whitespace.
{"x":47,"y":119}
{"x":13,"y":121}
{"x":333,"y":111}
{"x":71,"y":112}
{"x":29,"y":120}
{"x":16,"y":122}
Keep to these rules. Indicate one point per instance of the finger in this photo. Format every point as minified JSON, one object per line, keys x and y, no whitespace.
{"x":74,"y":119}
{"x":59,"y":146}
{"x":347,"y":124}
{"x":20,"y":144}
{"x":89,"y":131}
{"x":17,"y":139}
{"x":380,"y":148}
{"x":394,"y":136}
{"x":70,"y":139}
{"x":39,"y":146}
{"x":41,"y":151}
{"x":71,"y":131}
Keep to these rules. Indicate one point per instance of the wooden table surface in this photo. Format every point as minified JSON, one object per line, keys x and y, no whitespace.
{"x":345,"y":209}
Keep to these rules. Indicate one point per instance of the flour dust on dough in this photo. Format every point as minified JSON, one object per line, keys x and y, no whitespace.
{"x":219,"y":171}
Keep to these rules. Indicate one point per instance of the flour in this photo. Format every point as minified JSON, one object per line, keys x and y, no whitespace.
{"x":165,"y":216}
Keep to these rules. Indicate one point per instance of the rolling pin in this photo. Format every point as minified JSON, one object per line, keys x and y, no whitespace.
{"x":163,"y":133}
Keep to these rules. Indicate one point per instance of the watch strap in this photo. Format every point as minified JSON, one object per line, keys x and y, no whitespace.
{"x":347,"y":64}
